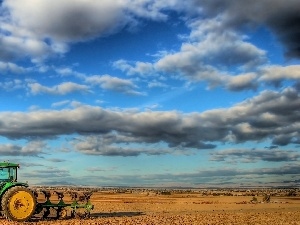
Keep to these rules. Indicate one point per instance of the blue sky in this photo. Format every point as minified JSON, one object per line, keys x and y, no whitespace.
{"x":151,"y":92}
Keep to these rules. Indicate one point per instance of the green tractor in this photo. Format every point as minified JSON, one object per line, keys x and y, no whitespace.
{"x":20,"y":203}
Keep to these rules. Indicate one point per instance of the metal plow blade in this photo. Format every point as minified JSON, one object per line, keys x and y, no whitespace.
{"x":77,"y":204}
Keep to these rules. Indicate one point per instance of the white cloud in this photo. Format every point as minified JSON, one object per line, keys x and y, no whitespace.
{"x":155,"y":84}
{"x":67,"y":20}
{"x":7,"y":67}
{"x":266,"y":116}
{"x":113,"y":83}
{"x":60,"y":104}
{"x":282,"y":17}
{"x":38,"y":29}
{"x":254,"y":155}
{"x":208,"y":50}
{"x":32,"y":148}
{"x":61,"y":89}
{"x":276,"y":73}
{"x":139,"y":68}
{"x":13,"y":46}
{"x":242,"y":81}
{"x":11,"y":85}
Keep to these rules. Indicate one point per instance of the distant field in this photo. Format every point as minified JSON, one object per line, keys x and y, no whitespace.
{"x":183,"y":208}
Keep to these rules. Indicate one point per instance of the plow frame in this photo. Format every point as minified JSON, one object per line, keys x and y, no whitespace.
{"x":62,"y":205}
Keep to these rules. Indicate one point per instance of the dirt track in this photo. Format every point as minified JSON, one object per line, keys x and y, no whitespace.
{"x":182,"y":209}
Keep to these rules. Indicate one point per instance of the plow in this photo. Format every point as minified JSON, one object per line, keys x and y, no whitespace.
{"x":21,"y":203}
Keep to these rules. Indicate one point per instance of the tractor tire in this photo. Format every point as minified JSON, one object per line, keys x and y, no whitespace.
{"x":18,"y":204}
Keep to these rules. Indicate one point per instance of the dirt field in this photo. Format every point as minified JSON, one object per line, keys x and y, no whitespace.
{"x":149,"y":208}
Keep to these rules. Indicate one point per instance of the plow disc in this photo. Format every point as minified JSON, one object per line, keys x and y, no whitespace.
{"x":77,"y":205}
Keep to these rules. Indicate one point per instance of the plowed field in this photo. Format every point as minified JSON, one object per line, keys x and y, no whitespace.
{"x":114,"y":208}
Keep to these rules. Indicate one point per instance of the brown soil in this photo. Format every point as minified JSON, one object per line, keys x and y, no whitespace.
{"x":149,"y":209}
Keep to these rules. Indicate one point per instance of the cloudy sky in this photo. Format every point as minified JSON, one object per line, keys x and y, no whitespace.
{"x":151,"y":92}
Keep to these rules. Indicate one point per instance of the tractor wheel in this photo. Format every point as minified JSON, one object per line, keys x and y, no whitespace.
{"x":18,"y":204}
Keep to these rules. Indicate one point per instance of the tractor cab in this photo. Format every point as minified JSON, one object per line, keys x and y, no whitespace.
{"x":8,"y":172}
